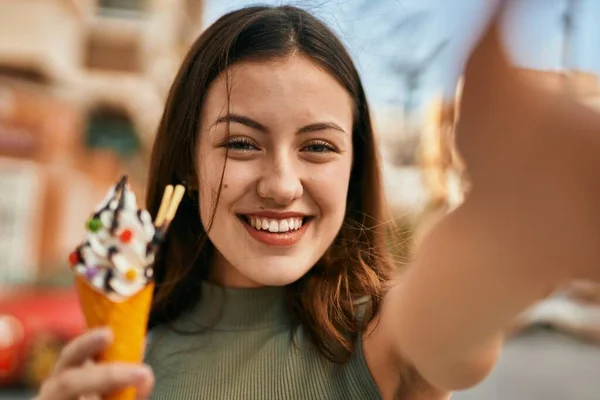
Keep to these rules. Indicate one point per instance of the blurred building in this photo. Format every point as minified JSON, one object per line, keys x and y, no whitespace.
{"x":442,"y":170}
{"x":82,"y":87}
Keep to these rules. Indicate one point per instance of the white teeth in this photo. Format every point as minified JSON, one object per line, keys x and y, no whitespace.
{"x":275,"y":225}
{"x":284,"y":226}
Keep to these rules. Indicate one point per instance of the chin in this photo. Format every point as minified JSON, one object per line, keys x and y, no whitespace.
{"x":275,"y":271}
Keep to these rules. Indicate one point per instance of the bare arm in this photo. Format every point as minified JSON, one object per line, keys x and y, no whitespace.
{"x":530,"y":224}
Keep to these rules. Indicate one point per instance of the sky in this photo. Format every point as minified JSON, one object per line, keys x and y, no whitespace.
{"x":385,"y":36}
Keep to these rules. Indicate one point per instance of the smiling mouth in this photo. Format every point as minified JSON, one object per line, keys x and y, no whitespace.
{"x":274,"y":225}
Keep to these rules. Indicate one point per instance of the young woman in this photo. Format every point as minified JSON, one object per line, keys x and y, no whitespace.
{"x":275,"y":282}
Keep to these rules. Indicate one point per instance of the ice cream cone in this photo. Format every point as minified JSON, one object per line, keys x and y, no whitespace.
{"x":127,"y":319}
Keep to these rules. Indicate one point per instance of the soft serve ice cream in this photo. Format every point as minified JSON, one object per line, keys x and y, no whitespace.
{"x":117,"y":253}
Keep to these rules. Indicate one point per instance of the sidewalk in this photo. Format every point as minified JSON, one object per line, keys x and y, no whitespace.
{"x":542,"y":365}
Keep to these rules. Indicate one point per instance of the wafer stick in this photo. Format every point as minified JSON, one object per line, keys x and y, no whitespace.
{"x":164,"y":205}
{"x":175,"y":200}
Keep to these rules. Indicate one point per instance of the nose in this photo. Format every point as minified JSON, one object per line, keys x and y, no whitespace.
{"x":280,"y":182}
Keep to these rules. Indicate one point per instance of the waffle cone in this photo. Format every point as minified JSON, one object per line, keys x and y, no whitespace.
{"x":127,"y":319}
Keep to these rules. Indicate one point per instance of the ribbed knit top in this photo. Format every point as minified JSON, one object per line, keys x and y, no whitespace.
{"x":243,"y":346}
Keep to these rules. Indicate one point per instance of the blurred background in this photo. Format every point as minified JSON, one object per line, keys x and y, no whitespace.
{"x":82,"y":86}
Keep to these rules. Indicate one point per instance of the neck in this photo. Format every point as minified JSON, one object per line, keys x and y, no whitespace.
{"x":226,"y":308}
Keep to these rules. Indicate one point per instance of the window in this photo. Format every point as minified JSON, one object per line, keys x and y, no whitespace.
{"x":19,"y":219}
{"x":122,"y":8}
{"x":27,"y":74}
{"x":110,"y":129}
{"x":116,"y":55}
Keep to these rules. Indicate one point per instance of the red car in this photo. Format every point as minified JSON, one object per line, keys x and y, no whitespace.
{"x":36,"y":321}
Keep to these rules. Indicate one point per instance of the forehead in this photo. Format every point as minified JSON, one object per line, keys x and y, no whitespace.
{"x":291,"y":87}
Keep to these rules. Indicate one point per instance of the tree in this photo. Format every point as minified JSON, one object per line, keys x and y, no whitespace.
{"x":568,"y":29}
{"x":412,"y":72}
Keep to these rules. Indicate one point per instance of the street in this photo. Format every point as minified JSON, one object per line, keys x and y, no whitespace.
{"x":16,"y":395}
{"x":540,"y":365}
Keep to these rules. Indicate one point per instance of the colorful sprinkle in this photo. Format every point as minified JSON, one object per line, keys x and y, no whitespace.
{"x":91,"y":272}
{"x":74,"y":258}
{"x":131,"y":274}
{"x":94,"y":224}
{"x":125,"y":236}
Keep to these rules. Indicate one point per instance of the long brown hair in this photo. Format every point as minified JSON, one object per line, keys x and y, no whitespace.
{"x":356,"y":265}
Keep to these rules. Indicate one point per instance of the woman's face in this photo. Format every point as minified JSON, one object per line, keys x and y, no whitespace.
{"x":288,"y":161}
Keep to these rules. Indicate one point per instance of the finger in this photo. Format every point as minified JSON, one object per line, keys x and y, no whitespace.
{"x":99,"y":379}
{"x":144,"y":389}
{"x":90,"y":397}
{"x":83,"y":348}
{"x":488,"y":104}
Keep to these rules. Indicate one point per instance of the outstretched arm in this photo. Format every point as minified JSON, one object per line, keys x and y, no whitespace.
{"x":530,"y":223}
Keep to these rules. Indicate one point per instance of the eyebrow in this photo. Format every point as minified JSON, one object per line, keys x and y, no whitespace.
{"x":240,"y":119}
{"x":249,"y":122}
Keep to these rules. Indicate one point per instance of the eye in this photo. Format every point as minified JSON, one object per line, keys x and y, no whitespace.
{"x":319,"y":147}
{"x":240,"y":144}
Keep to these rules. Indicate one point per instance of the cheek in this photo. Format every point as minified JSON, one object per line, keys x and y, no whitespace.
{"x":233,"y":184}
{"x":209,"y":179}
{"x":329,"y":188}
